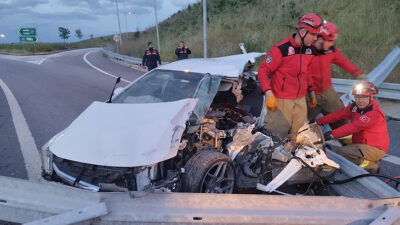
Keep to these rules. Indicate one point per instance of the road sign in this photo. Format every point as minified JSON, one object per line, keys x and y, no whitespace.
{"x":116,"y":38}
{"x":27,"y":31}
{"x":28,"y":39}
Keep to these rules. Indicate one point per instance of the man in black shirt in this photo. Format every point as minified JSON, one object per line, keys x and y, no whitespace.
{"x":182,"y":52}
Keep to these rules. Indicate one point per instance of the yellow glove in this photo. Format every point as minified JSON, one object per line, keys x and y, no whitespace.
{"x":271,"y":103}
{"x":313,"y":101}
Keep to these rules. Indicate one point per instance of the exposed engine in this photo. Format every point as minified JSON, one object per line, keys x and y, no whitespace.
{"x":230,"y":138}
{"x":230,"y":128}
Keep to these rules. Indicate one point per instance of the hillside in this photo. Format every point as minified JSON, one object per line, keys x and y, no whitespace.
{"x":368,"y":29}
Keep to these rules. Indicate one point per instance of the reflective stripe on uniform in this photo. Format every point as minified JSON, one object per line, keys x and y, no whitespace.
{"x":364,"y":163}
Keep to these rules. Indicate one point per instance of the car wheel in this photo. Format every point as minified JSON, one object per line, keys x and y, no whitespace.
{"x":209,"y":171}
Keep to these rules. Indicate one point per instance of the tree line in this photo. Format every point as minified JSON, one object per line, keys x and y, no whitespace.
{"x":64,"y":33}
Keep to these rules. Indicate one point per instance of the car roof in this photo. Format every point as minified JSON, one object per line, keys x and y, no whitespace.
{"x":227,"y":66}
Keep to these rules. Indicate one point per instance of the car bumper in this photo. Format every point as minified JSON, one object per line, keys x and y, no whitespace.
{"x":71,"y":180}
{"x":50,"y":169}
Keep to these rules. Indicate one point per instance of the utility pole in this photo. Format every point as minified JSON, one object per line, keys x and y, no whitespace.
{"x":126,"y":26}
{"x":119,"y":24}
{"x":205,"y":27}
{"x":117,"y":47}
{"x":158,"y":36}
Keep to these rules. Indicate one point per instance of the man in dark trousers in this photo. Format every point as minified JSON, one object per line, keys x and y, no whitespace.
{"x":370,"y":138}
{"x":182,"y":52}
{"x":285,"y":79}
{"x":320,"y":69}
{"x":151,"y":57}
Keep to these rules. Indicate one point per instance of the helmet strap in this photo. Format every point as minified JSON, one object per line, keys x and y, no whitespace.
{"x":302,"y":37}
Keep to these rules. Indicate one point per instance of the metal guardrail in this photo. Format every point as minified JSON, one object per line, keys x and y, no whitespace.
{"x":366,"y":187}
{"x":379,"y":73}
{"x":24,"y":201}
{"x":377,"y":76}
{"x":122,"y":58}
{"x":386,"y":90}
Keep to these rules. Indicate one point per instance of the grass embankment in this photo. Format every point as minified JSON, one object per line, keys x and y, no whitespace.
{"x":25,"y":49}
{"x":369,"y":29}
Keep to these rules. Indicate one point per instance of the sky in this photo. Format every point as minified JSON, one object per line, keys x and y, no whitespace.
{"x":97,"y":17}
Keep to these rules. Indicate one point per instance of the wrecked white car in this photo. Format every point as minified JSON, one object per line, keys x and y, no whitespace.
{"x":193,"y":125}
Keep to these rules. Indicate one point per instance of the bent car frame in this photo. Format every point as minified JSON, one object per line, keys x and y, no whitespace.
{"x":193,"y":125}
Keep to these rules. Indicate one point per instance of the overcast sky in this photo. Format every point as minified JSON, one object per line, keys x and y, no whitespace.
{"x":97,"y":17}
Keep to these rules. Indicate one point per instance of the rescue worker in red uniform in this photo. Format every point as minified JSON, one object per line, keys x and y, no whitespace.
{"x":370,"y":141}
{"x":151,"y":57}
{"x":283,"y":76}
{"x":320,"y":68}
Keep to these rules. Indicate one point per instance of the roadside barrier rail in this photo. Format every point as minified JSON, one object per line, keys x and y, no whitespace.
{"x":29,"y":202}
{"x":376,"y":76}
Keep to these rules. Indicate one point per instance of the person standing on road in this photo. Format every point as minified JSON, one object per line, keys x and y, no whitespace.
{"x":151,"y":57}
{"x":370,"y":138}
{"x":320,"y":69}
{"x":182,"y":51}
{"x":283,"y":76}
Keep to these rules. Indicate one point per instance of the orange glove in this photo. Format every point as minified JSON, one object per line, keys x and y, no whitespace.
{"x":271,"y":103}
{"x":313,"y":102}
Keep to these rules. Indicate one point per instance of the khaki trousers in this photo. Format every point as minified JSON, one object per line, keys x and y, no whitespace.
{"x":327,"y":102}
{"x":289,"y":116}
{"x":365,"y":156}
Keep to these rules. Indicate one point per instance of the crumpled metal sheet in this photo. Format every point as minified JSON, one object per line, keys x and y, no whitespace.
{"x":125,"y":135}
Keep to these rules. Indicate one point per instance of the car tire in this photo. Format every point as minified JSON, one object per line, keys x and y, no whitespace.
{"x":209,"y":171}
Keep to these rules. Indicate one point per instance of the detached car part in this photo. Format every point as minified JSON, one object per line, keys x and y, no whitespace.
{"x":309,"y":151}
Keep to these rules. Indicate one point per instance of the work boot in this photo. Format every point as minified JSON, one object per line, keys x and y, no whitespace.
{"x":371,"y":167}
{"x":373,"y":170}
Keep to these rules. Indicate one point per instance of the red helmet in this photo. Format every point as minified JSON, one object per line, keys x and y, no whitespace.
{"x":310,"y":21}
{"x":329,"y":31}
{"x":364,"y":88}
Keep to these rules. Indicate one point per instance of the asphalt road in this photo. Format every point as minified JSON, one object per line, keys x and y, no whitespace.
{"x":51,"y":91}
{"x":51,"y":94}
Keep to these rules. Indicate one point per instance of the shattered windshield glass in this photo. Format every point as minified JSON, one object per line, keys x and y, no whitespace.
{"x":161,"y":86}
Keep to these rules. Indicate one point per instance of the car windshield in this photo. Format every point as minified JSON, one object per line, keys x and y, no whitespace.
{"x":161,"y":86}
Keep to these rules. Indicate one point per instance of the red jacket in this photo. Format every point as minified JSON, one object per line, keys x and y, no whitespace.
{"x":320,"y":68}
{"x":285,"y":70}
{"x":368,"y":126}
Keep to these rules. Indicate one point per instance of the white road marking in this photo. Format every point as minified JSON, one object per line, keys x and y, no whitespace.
{"x":27,"y":59}
{"x":69,"y":52}
{"x":27,"y":144}
{"x":39,"y":59}
{"x":57,"y":54}
{"x":392,"y":159}
{"x":42,"y":60}
{"x":100,"y":70}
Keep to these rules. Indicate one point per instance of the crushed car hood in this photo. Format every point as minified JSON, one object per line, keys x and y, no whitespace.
{"x":125,"y":135}
{"x":227,"y":66}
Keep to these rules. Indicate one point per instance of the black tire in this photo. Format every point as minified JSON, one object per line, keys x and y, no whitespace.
{"x":209,"y":171}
